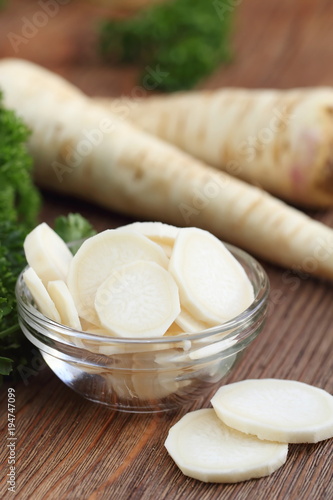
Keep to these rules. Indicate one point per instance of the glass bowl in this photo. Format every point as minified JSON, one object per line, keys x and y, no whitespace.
{"x":146,"y":375}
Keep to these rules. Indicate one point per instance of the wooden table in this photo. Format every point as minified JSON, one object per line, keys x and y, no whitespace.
{"x":69,"y":448}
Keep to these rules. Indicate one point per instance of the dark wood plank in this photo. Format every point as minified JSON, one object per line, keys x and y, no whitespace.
{"x":69,"y":448}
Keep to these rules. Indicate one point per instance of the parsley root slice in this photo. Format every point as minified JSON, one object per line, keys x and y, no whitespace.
{"x":280,"y":410}
{"x":47,"y":253}
{"x":64,"y":303}
{"x":189,"y":324}
{"x":204,"y":448}
{"x":278,"y":139}
{"x":162,"y":234}
{"x":82,"y":150}
{"x":99,"y":256}
{"x":40,"y":295}
{"x":139,"y":299}
{"x":213,"y":286}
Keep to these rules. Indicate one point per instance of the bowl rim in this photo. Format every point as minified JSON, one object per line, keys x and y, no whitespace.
{"x":236,"y":326}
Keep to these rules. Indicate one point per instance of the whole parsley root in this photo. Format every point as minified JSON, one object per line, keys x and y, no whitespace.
{"x":279,"y":139}
{"x":139,"y":175}
{"x":177,"y":43}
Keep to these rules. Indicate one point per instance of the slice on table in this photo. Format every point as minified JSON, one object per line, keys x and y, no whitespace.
{"x":47,"y":253}
{"x":213,"y":286}
{"x":98,"y":257}
{"x":40,"y":295}
{"x":139,"y":299}
{"x":204,"y":448}
{"x":281,"y":410}
{"x":64,"y":303}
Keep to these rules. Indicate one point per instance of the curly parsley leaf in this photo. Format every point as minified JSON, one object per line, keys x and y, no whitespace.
{"x":176,"y":43}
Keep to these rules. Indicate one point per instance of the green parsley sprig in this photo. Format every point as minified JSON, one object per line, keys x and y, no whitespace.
{"x":20,"y":204}
{"x":19,"y":208}
{"x":176,"y":43}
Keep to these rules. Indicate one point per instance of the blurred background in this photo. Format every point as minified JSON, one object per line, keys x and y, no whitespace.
{"x":266,"y":44}
{"x":101,"y":46}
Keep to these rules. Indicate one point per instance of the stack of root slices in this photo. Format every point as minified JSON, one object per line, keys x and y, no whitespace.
{"x":143,"y":280}
{"x":246,"y":433}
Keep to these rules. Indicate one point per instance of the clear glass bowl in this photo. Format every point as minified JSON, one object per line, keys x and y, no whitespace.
{"x":146,"y":375}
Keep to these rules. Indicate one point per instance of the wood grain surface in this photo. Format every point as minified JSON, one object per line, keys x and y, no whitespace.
{"x":69,"y":448}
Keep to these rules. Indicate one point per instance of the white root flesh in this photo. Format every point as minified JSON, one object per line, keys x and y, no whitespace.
{"x":81,"y":150}
{"x":139,"y":299}
{"x":64,"y":303}
{"x":279,"y":410}
{"x":213,"y":285}
{"x":40,"y":295}
{"x":204,"y":448}
{"x":47,"y":253}
{"x":278,"y":139}
{"x":99,"y":256}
